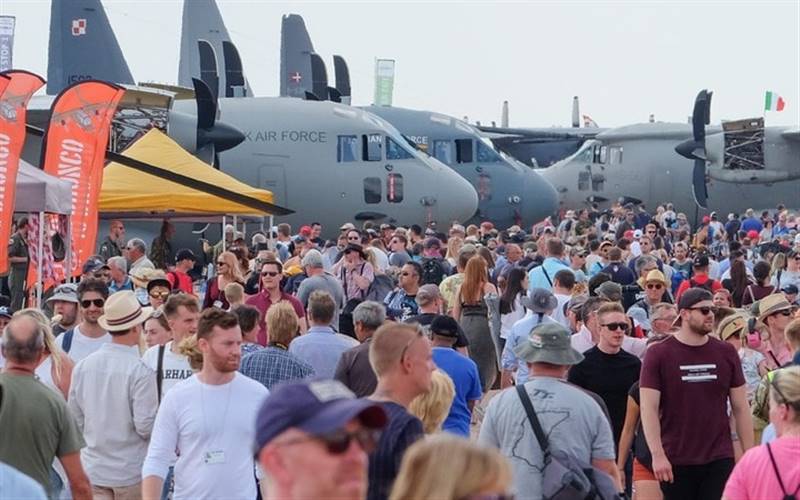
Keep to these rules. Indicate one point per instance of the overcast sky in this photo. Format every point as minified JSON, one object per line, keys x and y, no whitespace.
{"x":625,"y":59}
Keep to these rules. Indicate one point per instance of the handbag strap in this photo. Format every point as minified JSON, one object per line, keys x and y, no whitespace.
{"x":533,"y":419}
{"x":778,"y":475}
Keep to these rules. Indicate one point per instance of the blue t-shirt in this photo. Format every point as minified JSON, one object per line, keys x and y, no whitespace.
{"x":464,"y":373}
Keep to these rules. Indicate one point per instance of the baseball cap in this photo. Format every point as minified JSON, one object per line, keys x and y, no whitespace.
{"x":548,"y":343}
{"x":68,"y":292}
{"x":444,"y":326}
{"x":700,"y":260}
{"x":427,"y":294}
{"x":693,"y":296}
{"x":610,"y":290}
{"x":790,"y":289}
{"x":316,"y":407}
{"x":752,"y":234}
{"x":347,"y":226}
{"x":94,"y":264}
{"x":305,"y":230}
{"x":185,"y":254}
{"x":6,"y":312}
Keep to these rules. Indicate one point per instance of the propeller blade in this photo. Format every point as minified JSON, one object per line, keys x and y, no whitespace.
{"x":699,"y":114}
{"x":206,"y":105}
{"x":699,"y":187}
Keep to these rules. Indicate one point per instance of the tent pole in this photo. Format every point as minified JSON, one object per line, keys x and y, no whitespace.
{"x":271,"y":238}
{"x":235,"y":226}
{"x":223,"y":233}
{"x":68,"y":254}
{"x":39,"y":261}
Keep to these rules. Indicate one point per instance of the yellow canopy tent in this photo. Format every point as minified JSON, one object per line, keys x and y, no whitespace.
{"x":181,"y":186}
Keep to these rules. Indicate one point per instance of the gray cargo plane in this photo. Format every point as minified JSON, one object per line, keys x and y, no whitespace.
{"x":735,"y":166}
{"x":328,"y":162}
{"x":508,"y":192}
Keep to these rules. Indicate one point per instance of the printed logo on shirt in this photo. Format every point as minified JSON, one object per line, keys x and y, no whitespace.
{"x":698,"y":373}
{"x":177,"y":374}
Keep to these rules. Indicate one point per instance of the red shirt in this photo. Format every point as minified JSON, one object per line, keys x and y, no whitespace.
{"x":262,"y":302}
{"x":694,"y":382}
{"x":184,"y":281}
{"x":698,"y":280}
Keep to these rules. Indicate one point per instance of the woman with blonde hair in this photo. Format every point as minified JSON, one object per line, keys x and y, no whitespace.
{"x":227,"y":272}
{"x":454,"y":245}
{"x":472,"y":312}
{"x":433,"y":406}
{"x":55,"y":368}
{"x":446,"y":467}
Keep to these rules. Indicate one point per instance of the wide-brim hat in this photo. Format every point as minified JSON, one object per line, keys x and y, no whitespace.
{"x":771,"y":304}
{"x":123,"y":311}
{"x":548,"y":343}
{"x":540,"y":300}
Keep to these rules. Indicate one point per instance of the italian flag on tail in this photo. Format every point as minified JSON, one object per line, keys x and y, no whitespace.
{"x":773,"y":102}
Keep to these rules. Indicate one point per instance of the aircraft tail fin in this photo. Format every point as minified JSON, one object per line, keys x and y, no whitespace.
{"x":202,"y":20}
{"x":576,"y":112}
{"x":297,"y":75}
{"x":83,"y":46}
{"x":342,"y":79}
{"x":208,"y":66}
{"x":319,"y":77}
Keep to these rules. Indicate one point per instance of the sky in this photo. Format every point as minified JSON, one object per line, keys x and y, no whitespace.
{"x":625,"y":59}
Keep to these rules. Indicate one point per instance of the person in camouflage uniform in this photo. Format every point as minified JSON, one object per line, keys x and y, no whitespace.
{"x":161,"y":248}
{"x":18,"y":259}
{"x":113,"y":244}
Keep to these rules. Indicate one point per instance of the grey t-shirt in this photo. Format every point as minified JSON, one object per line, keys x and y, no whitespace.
{"x":572,"y":421}
{"x":328,"y":283}
{"x":399,"y":259}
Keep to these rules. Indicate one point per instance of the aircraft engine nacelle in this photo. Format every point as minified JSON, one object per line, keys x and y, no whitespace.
{"x":182,"y":128}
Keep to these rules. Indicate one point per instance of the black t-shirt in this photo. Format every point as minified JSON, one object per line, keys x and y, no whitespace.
{"x":425,"y":319}
{"x":401,"y":432}
{"x":610,"y":376}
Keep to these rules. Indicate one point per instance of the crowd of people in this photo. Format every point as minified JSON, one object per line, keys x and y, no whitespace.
{"x":602,"y":354}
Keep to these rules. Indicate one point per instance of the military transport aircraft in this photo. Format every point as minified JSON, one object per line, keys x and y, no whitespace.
{"x":728,"y":168}
{"x":318,"y":158}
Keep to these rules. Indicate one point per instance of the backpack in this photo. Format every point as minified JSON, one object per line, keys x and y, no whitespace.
{"x":346,"y":316}
{"x":565,"y":477}
{"x":707,"y":285}
{"x":786,"y":495}
{"x":432,"y":271}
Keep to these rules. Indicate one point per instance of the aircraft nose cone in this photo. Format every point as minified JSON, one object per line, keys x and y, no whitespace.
{"x":540,"y":199}
{"x":457,"y":198}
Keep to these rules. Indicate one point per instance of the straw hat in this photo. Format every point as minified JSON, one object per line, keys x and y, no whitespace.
{"x":771,"y":304}
{"x":123,"y":311}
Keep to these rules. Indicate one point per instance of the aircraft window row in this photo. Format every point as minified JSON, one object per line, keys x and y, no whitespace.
{"x":443,"y":152}
{"x":487,"y":154}
{"x":615,"y":155}
{"x":602,"y":155}
{"x":347,"y":148}
{"x":372,"y":145}
{"x":373,"y":189}
{"x":395,"y":151}
{"x":464,"y":150}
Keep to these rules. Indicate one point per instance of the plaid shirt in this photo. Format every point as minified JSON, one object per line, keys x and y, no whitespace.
{"x":273,"y":365}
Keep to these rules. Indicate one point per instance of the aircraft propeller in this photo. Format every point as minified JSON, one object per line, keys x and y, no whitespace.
{"x":695,"y":148}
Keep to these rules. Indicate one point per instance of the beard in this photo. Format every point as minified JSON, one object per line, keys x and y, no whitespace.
{"x":222,"y":363}
{"x":701,"y":327}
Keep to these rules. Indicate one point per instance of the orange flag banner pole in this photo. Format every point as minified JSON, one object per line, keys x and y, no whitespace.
{"x":16,"y":89}
{"x":74,"y":150}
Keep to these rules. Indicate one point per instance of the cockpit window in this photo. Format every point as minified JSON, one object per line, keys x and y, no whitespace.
{"x":347,"y":148}
{"x":487,"y":154}
{"x":371,"y":147}
{"x":394,"y":188}
{"x":443,"y":151}
{"x":464,"y":150}
{"x":586,"y":155}
{"x":600,"y":155}
{"x":395,"y":151}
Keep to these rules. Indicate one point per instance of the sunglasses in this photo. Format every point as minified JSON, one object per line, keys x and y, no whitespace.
{"x":785,"y":312}
{"x":704,"y":310}
{"x":654,"y":286}
{"x":616,"y":326}
{"x":784,"y":399}
{"x":271,"y":274}
{"x":338,"y":442}
{"x":419,"y":335}
{"x":406,"y":273}
{"x":221,"y":263}
{"x":97,"y":303}
{"x":159,"y":295}
{"x":353,"y":238}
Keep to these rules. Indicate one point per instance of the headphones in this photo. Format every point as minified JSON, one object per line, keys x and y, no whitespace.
{"x":751,"y":336}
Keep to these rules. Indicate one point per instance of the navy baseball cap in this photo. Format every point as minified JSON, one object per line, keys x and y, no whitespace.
{"x":6,"y":312}
{"x":316,"y":407}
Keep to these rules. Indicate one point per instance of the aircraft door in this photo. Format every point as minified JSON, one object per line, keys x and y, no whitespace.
{"x":273,"y":178}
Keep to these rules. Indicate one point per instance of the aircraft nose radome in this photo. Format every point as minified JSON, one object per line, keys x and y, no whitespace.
{"x":457,"y":198}
{"x":540,"y":199}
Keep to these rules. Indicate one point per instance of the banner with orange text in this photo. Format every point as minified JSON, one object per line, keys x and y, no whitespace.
{"x":16,"y":89}
{"x":74,"y":151}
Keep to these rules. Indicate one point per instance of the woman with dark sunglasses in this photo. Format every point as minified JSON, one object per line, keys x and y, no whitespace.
{"x":228,"y":271}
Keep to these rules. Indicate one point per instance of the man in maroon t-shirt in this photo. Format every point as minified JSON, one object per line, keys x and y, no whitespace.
{"x":686,"y":381}
{"x":184,"y":262}
{"x":271,"y":293}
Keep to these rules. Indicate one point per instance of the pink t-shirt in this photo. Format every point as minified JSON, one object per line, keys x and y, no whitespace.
{"x":754,"y":478}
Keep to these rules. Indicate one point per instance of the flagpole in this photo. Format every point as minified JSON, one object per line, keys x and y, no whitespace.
{"x":39,"y":261}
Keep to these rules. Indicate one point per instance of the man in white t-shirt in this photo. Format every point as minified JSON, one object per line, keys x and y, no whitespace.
{"x":563,"y":283}
{"x":87,"y":336}
{"x":210,"y":418}
{"x":182,"y":312}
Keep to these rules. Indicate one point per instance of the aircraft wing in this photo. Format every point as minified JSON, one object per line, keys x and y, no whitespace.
{"x":541,"y":133}
{"x":793,"y":134}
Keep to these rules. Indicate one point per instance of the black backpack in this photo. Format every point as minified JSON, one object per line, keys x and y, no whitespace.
{"x":432,"y":271}
{"x":707,"y":285}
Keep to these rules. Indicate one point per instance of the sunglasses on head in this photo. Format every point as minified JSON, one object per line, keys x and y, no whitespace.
{"x":338,"y":441}
{"x":616,"y":326}
{"x":97,"y":303}
{"x":419,"y":334}
{"x":271,"y":274}
{"x":654,"y":286}
{"x":704,"y":310}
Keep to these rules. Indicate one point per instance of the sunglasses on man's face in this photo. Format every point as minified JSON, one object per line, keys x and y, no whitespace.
{"x":338,"y":441}
{"x":704,"y":310}
{"x":654,"y":286}
{"x":159,"y":295}
{"x":271,"y":274}
{"x":88,"y":303}
{"x":353,"y":238}
{"x":616,"y":326}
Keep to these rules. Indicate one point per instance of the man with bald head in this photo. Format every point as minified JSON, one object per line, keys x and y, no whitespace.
{"x":512,"y":258}
{"x":28,"y":407}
